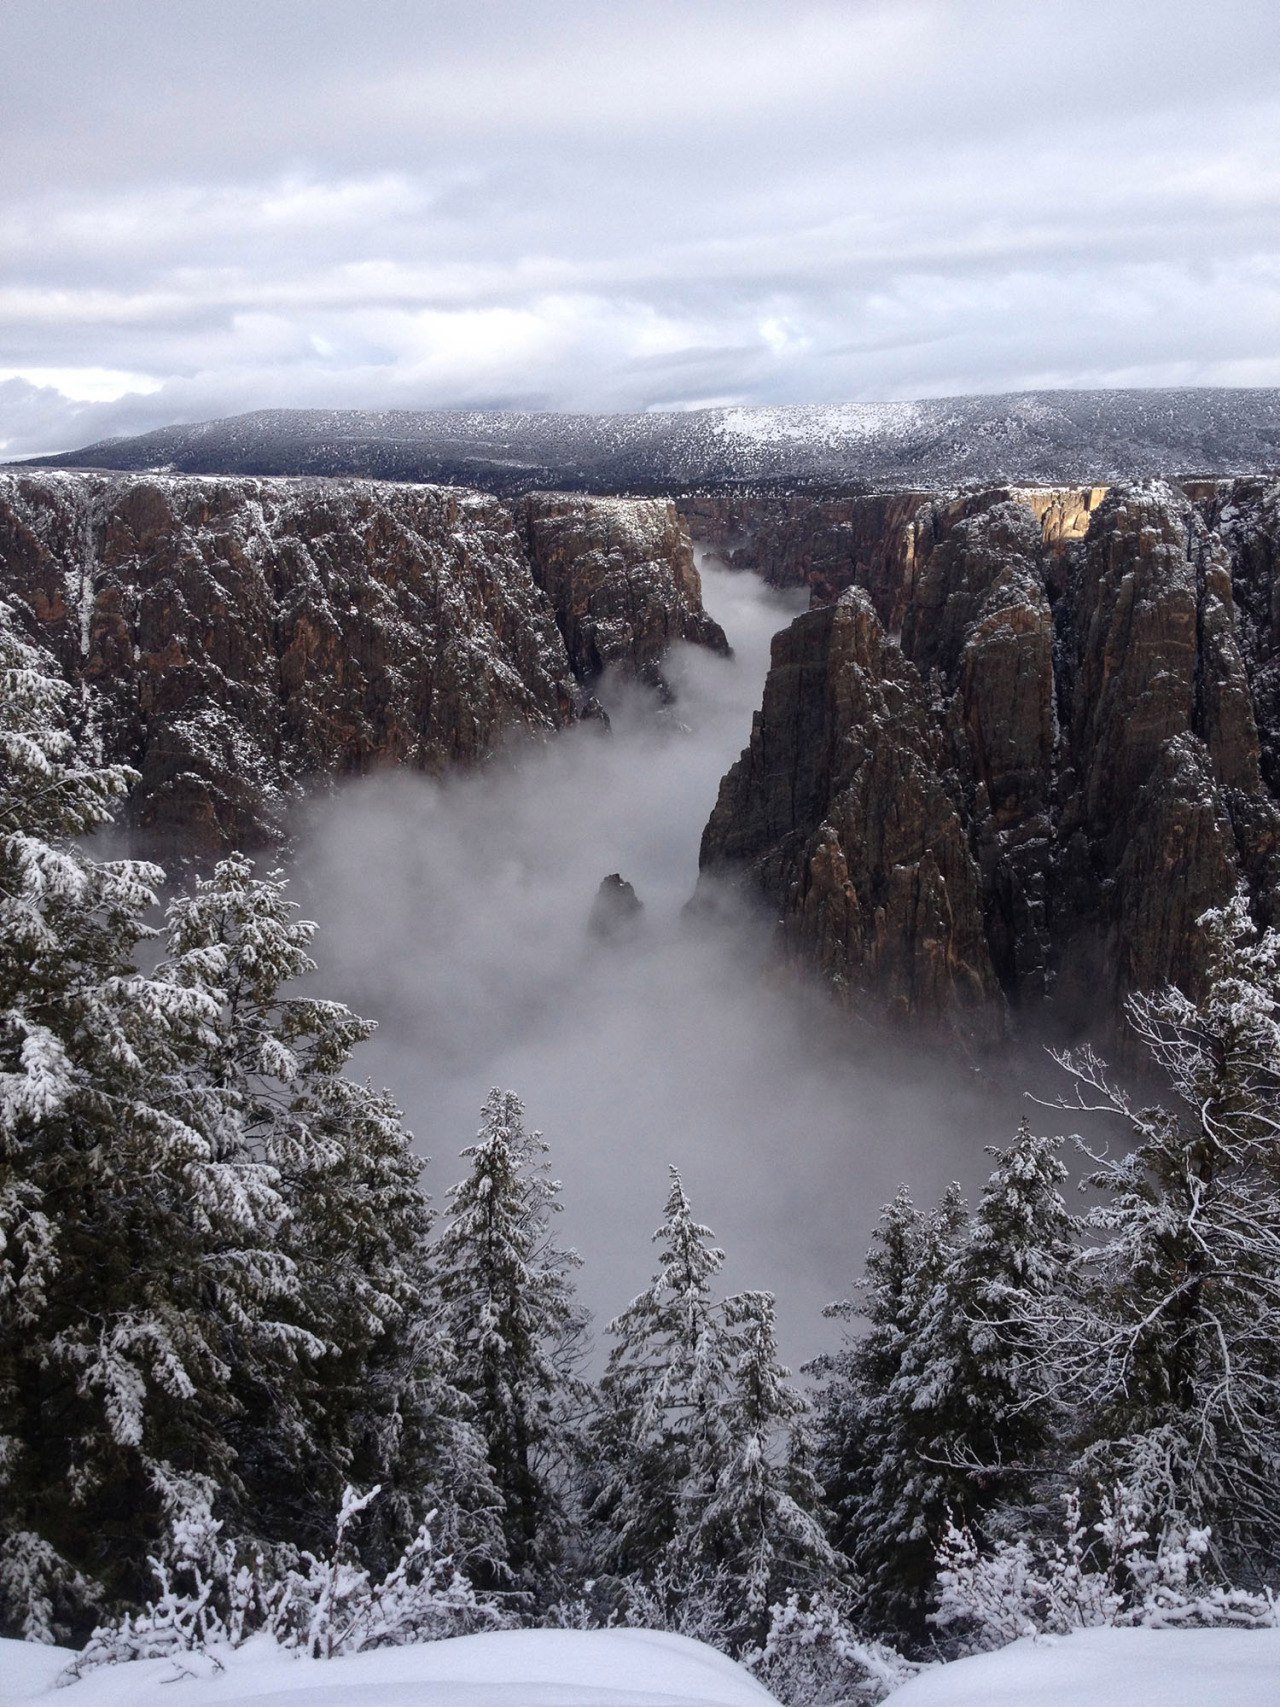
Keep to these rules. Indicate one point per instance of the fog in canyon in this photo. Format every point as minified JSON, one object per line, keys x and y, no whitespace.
{"x":456,"y":915}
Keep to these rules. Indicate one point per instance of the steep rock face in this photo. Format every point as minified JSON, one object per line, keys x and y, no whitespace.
{"x":1164,"y":807}
{"x":877,"y":540}
{"x":621,"y":579}
{"x":1089,"y":711}
{"x":980,"y":626}
{"x":1245,"y":516}
{"x":235,"y":636}
{"x":843,"y":807}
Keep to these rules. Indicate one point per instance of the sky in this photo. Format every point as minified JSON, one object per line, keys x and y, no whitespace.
{"x":515,"y":203}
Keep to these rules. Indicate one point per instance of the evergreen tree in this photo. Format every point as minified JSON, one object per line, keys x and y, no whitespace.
{"x":765,"y":1526}
{"x":885,"y":1446}
{"x":979,"y":1355}
{"x":1172,"y":1341}
{"x":517,"y":1330}
{"x":367,"y":1395}
{"x":112,"y":1206}
{"x":663,"y":1434}
{"x":943,"y":1412}
{"x":214,"y":1292}
{"x":707,"y":1493}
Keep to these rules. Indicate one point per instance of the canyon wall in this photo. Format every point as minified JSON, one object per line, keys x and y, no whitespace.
{"x":621,"y":579}
{"x":1021,"y":752}
{"x":234,"y":638}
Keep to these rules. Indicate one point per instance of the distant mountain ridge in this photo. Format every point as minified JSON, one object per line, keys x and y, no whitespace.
{"x":1030,"y":437}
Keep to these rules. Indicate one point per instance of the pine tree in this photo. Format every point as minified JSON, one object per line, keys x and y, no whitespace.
{"x":886,"y":1425}
{"x":214,"y":1291}
{"x":363,"y":1393}
{"x":979,"y":1353}
{"x":765,"y":1526}
{"x":663,"y":1433}
{"x":517,"y":1330}
{"x":707,"y":1493}
{"x":943,"y":1412}
{"x":112,"y":1373}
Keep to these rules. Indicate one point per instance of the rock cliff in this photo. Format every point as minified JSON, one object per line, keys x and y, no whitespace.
{"x":874,"y":540}
{"x":1016,"y":759}
{"x":236,"y":637}
{"x":621,"y":579}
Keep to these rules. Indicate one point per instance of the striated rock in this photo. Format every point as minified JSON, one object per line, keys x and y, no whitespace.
{"x":235,"y":637}
{"x":880,"y":541}
{"x":621,"y":578}
{"x":1244,"y":516}
{"x":980,"y":622}
{"x":843,"y":809}
{"x":1058,"y":767}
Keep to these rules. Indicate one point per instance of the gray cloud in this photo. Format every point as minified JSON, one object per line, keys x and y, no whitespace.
{"x":212,"y":209}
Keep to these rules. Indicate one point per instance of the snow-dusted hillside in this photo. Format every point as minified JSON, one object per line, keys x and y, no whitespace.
{"x":1031,"y":436}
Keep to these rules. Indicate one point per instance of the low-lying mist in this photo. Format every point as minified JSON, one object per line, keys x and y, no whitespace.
{"x":455,"y":914}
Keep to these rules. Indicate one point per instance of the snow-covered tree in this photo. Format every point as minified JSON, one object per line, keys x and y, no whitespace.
{"x":112,"y":1369}
{"x":361,"y":1388}
{"x":516,"y":1328}
{"x":706,"y":1492}
{"x":1171,"y":1339}
{"x":214,"y":1286}
{"x":663,"y":1435}
{"x":765,"y":1526}
{"x":979,"y":1355}
{"x":944,"y":1410}
{"x":886,"y":1460}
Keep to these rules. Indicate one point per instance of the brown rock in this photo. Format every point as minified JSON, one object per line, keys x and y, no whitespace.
{"x":1055,"y":775}
{"x":621,"y":579}
{"x":240,"y":636}
{"x":842,"y":811}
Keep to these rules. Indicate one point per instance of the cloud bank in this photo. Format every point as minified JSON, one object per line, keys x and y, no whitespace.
{"x":456,"y":915}
{"x":566,"y":205}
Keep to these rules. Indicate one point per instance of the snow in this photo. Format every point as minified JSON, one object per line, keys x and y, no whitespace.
{"x":838,"y":424}
{"x":508,"y":1668}
{"x":1110,"y":1668}
{"x":644,"y":1668}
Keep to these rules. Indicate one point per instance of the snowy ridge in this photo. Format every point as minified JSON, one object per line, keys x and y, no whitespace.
{"x":1039,"y":436}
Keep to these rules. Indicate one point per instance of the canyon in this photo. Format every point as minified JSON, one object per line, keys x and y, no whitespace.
{"x":1023,"y":737}
{"x":236,"y":641}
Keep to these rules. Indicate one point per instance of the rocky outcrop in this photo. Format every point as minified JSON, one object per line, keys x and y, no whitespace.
{"x":615,"y":912}
{"x":845,"y":805}
{"x":621,"y":579}
{"x":1036,"y":788}
{"x":879,"y":541}
{"x":236,"y":637}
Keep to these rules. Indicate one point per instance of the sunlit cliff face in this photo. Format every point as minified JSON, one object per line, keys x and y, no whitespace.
{"x":456,"y":915}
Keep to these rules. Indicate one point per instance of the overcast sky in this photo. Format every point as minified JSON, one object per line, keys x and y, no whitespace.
{"x":208,"y":208}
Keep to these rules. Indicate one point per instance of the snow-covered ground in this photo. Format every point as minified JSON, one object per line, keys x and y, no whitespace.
{"x":510,"y":1668}
{"x":1111,"y":1668}
{"x":641,"y":1668}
